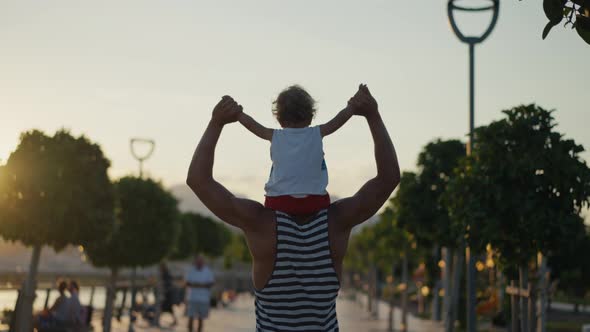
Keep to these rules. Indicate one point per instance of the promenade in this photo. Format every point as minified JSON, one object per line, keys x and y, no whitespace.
{"x":239,"y":317}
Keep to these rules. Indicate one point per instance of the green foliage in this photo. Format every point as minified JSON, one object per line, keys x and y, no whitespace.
{"x":575,"y":12}
{"x":146,"y":223}
{"x":464,"y":199}
{"x":388,"y":240}
{"x":200,"y":234}
{"x":415,"y":219}
{"x":185,"y":243}
{"x":436,"y":163}
{"x":236,"y":251}
{"x":212,"y":236}
{"x":571,"y":264}
{"x":521,"y":187}
{"x":55,"y":191}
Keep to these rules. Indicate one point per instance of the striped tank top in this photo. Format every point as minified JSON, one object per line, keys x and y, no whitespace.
{"x":301,"y":293}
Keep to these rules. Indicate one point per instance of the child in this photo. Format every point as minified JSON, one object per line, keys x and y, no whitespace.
{"x":299,"y":177}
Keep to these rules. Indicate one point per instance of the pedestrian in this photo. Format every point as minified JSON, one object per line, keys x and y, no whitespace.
{"x":198,"y":281}
{"x":168,"y":288}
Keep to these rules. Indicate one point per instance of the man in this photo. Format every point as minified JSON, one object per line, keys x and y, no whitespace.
{"x":59,"y":309}
{"x":76,"y":312}
{"x":57,"y":314}
{"x":199,"y":280}
{"x":297,"y":260}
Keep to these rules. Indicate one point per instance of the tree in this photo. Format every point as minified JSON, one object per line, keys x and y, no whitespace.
{"x":520,"y":188}
{"x":211,"y":236}
{"x":236,"y":251}
{"x":433,"y":227}
{"x":570,"y":266}
{"x":436,"y":163}
{"x":200,"y":234}
{"x":55,"y":191}
{"x":185,"y":244}
{"x":406,"y":218}
{"x":376,"y":249}
{"x":144,"y":232}
{"x":420,"y":212}
{"x":575,"y":12}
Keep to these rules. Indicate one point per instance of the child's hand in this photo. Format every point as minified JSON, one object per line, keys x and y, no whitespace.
{"x":362,"y":102}
{"x":226,"y":111}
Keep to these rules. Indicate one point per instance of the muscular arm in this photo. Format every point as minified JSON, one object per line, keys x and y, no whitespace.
{"x":368,"y":200}
{"x":254,"y":127}
{"x":338,"y":121}
{"x":242,"y":213}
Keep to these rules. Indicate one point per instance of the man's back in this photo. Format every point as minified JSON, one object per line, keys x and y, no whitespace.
{"x":300,"y":294}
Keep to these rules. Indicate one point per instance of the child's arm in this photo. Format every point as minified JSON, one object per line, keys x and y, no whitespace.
{"x":338,"y":121}
{"x":255,"y":127}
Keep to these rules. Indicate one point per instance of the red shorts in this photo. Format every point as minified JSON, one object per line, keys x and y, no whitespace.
{"x":298,"y":206}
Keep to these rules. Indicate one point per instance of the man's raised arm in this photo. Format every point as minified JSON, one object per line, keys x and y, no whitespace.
{"x":371,"y":197}
{"x":239,"y":212}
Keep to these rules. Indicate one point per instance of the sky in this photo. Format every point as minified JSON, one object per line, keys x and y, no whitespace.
{"x":113,"y":70}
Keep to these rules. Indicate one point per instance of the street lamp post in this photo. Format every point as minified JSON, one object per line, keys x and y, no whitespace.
{"x":471,"y":41}
{"x":133,"y":143}
{"x":142,"y":157}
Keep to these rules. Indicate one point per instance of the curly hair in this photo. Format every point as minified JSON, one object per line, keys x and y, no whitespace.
{"x":294,"y":106}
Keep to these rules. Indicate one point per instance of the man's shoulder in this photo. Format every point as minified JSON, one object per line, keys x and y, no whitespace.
{"x":337,"y":213}
{"x":262,"y":221}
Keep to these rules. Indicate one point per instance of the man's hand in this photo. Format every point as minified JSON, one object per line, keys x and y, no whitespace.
{"x":363,"y":103}
{"x":226,"y":111}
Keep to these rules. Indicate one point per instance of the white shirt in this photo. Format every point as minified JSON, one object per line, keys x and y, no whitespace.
{"x":199,"y":294}
{"x":298,"y":166}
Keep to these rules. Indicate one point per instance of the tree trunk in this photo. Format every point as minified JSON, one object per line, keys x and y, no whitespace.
{"x":447,"y":257}
{"x":513,"y":309}
{"x":159,"y":295}
{"x":435,"y":309}
{"x":532,"y":300}
{"x":542,"y":301}
{"x":391,"y":321}
{"x":470,"y":274}
{"x":110,"y":301}
{"x":24,"y":321}
{"x":523,"y":273}
{"x":404,"y":323}
{"x":457,"y":271}
{"x":133,"y":296}
{"x":501,"y":283}
{"x":122,"y":306}
{"x":370,"y":290}
{"x":420,"y":299}
{"x":436,"y":316}
{"x":91,"y":300}
{"x":375,"y":313}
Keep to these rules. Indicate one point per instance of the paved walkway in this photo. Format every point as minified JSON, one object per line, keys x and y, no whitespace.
{"x":239,"y":317}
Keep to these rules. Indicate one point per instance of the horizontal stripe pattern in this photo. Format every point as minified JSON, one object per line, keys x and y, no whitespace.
{"x":301,"y":292}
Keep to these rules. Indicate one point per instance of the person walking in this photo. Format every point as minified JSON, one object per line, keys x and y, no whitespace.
{"x":168,"y":292}
{"x":297,"y":259}
{"x":198,"y":281}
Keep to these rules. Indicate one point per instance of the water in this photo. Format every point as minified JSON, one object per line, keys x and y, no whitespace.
{"x":8,"y":298}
